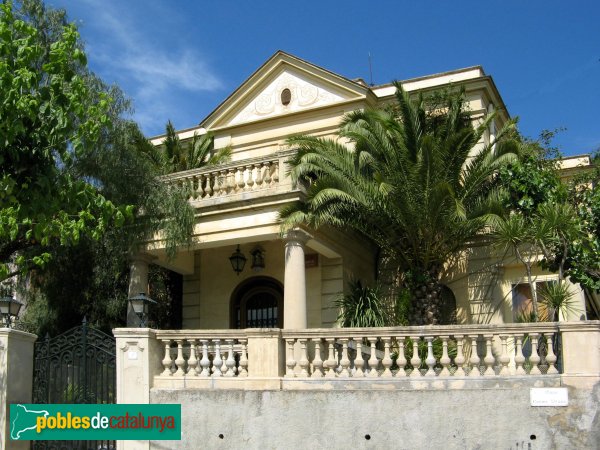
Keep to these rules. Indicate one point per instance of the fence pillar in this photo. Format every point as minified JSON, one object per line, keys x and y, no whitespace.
{"x":580,"y":353}
{"x":266,"y":358}
{"x":138,"y":360}
{"x":16,"y":379}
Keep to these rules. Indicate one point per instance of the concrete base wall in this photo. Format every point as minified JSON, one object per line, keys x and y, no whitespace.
{"x":449,"y":419}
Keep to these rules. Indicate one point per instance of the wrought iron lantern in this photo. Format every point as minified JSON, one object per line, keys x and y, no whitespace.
{"x":9,"y":307}
{"x":237,"y":260}
{"x":140,"y":304}
{"x":258,"y":259}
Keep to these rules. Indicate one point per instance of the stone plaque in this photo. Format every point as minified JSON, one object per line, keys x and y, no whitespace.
{"x":549,"y":396}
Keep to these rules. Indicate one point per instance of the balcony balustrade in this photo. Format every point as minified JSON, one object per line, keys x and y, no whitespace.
{"x":235,"y":180}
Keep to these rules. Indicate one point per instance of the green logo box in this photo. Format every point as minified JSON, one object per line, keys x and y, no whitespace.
{"x":95,"y":422}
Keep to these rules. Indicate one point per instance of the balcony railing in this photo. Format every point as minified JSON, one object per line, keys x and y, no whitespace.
{"x":242,"y":178}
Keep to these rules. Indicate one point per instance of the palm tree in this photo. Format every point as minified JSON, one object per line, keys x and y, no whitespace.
{"x":175,"y":156}
{"x":414,"y":178}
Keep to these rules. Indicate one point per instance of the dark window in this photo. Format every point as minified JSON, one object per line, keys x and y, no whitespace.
{"x":257,"y":303}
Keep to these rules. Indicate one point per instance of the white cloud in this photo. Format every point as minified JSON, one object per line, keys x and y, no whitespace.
{"x":127,"y":51}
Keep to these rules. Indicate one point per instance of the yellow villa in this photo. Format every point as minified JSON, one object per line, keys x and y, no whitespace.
{"x":292,"y":281}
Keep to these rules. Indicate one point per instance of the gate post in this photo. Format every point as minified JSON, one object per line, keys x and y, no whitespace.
{"x":16,"y":379}
{"x":138,"y":361}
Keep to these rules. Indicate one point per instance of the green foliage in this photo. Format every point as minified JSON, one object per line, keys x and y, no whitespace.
{"x":555,"y":298}
{"x":412,"y":179}
{"x":583,"y":260}
{"x":557,"y":220}
{"x":362,"y":306}
{"x":532,"y":179}
{"x":49,"y":117}
{"x":176,"y":156}
{"x":91,"y":278}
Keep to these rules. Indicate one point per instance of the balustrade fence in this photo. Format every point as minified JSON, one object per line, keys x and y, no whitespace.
{"x":238,"y":177}
{"x":452,"y":351}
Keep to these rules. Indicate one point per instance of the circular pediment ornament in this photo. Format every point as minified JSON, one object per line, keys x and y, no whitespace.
{"x":286,"y":97}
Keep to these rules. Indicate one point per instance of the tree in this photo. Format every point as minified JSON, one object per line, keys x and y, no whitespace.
{"x":412,"y":178}
{"x":49,"y":118}
{"x":552,"y":224}
{"x":88,"y":277}
{"x":177,"y":156}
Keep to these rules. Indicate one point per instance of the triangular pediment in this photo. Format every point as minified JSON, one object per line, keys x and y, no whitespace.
{"x":263,"y":95}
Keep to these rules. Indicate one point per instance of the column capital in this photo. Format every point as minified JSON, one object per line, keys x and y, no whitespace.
{"x":298,"y":236}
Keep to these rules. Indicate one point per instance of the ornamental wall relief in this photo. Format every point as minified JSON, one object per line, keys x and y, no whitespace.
{"x":268,"y":103}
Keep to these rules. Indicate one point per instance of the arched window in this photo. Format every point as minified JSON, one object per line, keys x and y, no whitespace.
{"x":257,"y":303}
{"x":447,"y":307}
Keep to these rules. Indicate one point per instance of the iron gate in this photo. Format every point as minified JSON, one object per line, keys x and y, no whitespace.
{"x":78,"y":366}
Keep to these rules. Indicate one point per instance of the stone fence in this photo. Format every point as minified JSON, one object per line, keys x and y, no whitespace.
{"x":361,"y":358}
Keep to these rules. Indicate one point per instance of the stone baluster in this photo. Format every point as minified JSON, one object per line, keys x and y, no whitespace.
{"x":201,"y":185}
{"x":290,"y":362}
{"x":317,"y":371}
{"x":534,"y":359}
{"x":460,"y":357}
{"x":373,"y":361}
{"x":210,"y":183}
{"x":240,"y":178}
{"x":445,"y":359}
{"x":344,"y":360}
{"x":387,"y":359}
{"x":430,"y":360}
{"x":204,"y":361}
{"x":474,"y":359}
{"x":252,"y":177}
{"x":243,"y":369}
{"x":504,"y":358}
{"x":359,"y":362}
{"x":167,"y":361}
{"x":268,"y":177}
{"x":331,"y":361}
{"x":401,"y":361}
{"x":194,"y":187}
{"x":222,"y":183}
{"x":230,"y":362}
{"x":415,"y":361}
{"x":519,"y":357}
{"x":180,"y":361}
{"x":276,"y":173}
{"x":192,"y":360}
{"x":231,"y":184}
{"x":243,"y":183}
{"x":217,"y":360}
{"x":551,"y":356}
{"x":303,"y":358}
{"x":489,"y":359}
{"x":247,"y":177}
{"x":259,"y":175}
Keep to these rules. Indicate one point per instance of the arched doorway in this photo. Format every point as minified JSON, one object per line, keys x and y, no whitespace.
{"x":257,"y":303}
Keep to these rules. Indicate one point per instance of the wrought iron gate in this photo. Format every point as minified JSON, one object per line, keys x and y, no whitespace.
{"x":77,"y":366}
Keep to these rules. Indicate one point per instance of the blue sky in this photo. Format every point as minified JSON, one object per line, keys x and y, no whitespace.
{"x":178,"y":59}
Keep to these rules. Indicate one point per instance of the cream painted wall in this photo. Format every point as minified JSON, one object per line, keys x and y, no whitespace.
{"x":210,"y":303}
{"x":482,"y":281}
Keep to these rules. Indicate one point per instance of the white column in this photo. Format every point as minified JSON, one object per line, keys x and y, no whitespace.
{"x":139,"y":358}
{"x":138,"y":283}
{"x":294,"y":293}
{"x":16,"y":373}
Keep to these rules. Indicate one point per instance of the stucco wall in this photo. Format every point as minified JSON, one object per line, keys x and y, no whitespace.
{"x":448,"y":419}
